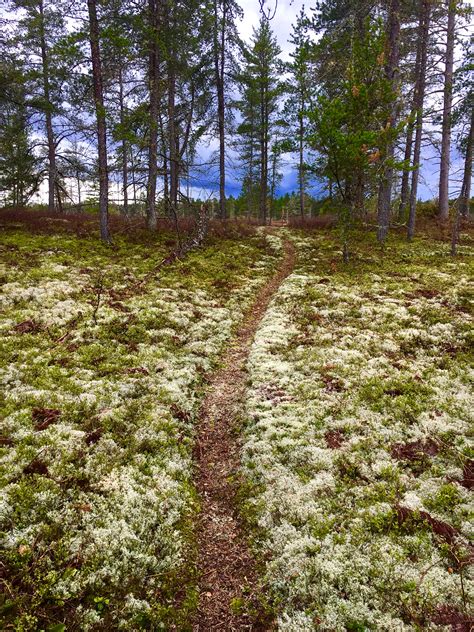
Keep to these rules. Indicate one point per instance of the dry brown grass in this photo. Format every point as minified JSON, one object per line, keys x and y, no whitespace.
{"x":320,"y":222}
{"x":87,"y":224}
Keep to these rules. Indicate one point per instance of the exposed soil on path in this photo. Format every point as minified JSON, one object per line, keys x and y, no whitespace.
{"x":225,"y":564}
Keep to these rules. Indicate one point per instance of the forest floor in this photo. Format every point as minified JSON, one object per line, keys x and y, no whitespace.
{"x":229,"y":590}
{"x":244,"y":439}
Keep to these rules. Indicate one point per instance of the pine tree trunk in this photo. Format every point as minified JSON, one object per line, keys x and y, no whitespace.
{"x":173,"y":166}
{"x":153,"y":67}
{"x":447,"y":107}
{"x":164,"y":149}
{"x":78,"y":180}
{"x":391,"y":72}
{"x":301,"y":161}
{"x":465,"y":197}
{"x":124,"y":147}
{"x":263,"y":177}
{"x":219,"y":68}
{"x":273,"y":184}
{"x":52,"y":174}
{"x":251,"y":174}
{"x":405,"y":189}
{"x":424,"y":27}
{"x":101,"y":125}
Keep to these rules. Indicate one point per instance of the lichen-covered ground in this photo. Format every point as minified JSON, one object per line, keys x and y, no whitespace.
{"x":100,"y":378}
{"x":358,"y":440}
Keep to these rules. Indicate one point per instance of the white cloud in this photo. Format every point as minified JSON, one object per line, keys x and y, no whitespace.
{"x":281,"y":24}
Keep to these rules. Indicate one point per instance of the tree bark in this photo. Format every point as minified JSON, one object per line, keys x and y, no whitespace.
{"x":52,"y":171}
{"x":173,"y":161}
{"x":124,"y":147}
{"x":301,"y":159}
{"x":405,"y":189}
{"x":251,"y":171}
{"x":465,"y":196}
{"x":447,"y":107}
{"x":273,"y":184}
{"x":391,"y":73}
{"x":424,"y":28}
{"x":219,"y":70}
{"x":101,"y":124}
{"x":153,"y":67}
{"x":263,"y":178}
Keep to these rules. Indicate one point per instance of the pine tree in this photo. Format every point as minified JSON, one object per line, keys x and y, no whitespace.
{"x":418,"y":104}
{"x":20,"y":173}
{"x":39,"y":29}
{"x":447,"y":111}
{"x":224,"y":37}
{"x":392,"y":57}
{"x":260,"y":90}
{"x":301,"y":93}
{"x":97,"y":78}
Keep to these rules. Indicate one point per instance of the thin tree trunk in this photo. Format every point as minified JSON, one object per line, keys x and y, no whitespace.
{"x":465,"y":197}
{"x":250,"y":174}
{"x":124,"y":147}
{"x":391,"y":73}
{"x":405,"y":189}
{"x":58,"y":196}
{"x":273,"y":184}
{"x":424,"y":28}
{"x":52,"y":174}
{"x":447,"y":107}
{"x":134,"y":180}
{"x":219,"y":67}
{"x":265,"y":154}
{"x":101,"y":125}
{"x":78,"y":180}
{"x":165,"y":160}
{"x":173,"y":167}
{"x":153,"y":67}
{"x":263,"y":180}
{"x":301,"y":160}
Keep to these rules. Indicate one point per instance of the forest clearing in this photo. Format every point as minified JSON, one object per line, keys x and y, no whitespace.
{"x":351,"y":462}
{"x":236,"y":316}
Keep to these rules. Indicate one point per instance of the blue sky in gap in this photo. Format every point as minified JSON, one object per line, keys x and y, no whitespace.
{"x":204,"y":181}
{"x":285,"y":16}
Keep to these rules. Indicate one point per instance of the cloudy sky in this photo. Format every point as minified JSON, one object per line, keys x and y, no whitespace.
{"x":281,"y":23}
{"x":285,"y":16}
{"x":205,"y":180}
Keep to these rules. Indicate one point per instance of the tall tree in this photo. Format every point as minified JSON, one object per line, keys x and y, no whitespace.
{"x":19,"y":173}
{"x":219,"y":42}
{"x":97,"y":80}
{"x":224,"y":35}
{"x":447,"y":110}
{"x":153,"y":82}
{"x":465,"y":196}
{"x":392,"y":54}
{"x":40,"y":25}
{"x":301,"y":92}
{"x":260,"y":83}
{"x":52,"y":172}
{"x":418,"y":102}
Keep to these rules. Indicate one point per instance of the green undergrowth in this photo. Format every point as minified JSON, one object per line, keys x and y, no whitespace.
{"x":104,"y":358}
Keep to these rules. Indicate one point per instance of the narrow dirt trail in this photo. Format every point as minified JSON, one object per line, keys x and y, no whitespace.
{"x":225,"y":564}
